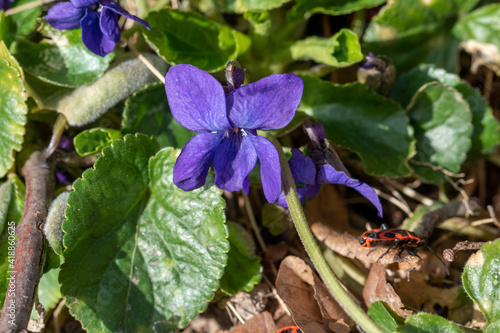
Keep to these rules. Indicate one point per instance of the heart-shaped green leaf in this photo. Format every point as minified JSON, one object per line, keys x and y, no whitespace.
{"x":485,"y":136}
{"x":442,"y":122}
{"x":147,"y":112}
{"x":190,"y":38}
{"x":340,"y":50}
{"x":63,"y":61}
{"x":94,"y":140}
{"x":481,"y":25}
{"x":243,"y":268}
{"x":13,"y":109}
{"x":141,"y":254}
{"x":358,"y":119}
{"x":481,"y":280}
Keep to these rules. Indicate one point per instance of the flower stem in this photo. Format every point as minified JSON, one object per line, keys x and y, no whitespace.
{"x":307,"y":238}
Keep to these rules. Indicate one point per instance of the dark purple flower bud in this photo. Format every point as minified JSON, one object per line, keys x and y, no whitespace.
{"x":63,"y":176}
{"x":235,"y":76}
{"x":98,"y":20}
{"x":378,"y":73}
{"x":66,"y":144}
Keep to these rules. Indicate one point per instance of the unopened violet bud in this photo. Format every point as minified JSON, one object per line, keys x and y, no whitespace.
{"x":66,"y":144}
{"x":319,"y":148}
{"x":378,"y":73}
{"x":235,"y":75}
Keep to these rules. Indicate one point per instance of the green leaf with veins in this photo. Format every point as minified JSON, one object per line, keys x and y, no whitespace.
{"x":148,"y":112}
{"x":63,"y":61}
{"x":340,"y":50}
{"x":485,"y":136}
{"x":356,"y":118}
{"x":13,"y":109}
{"x":442,"y":122}
{"x":94,"y":140}
{"x":481,"y":25}
{"x":427,"y":322}
{"x":141,"y":254}
{"x":481,"y":280}
{"x":243,"y":268}
{"x":189,"y":38}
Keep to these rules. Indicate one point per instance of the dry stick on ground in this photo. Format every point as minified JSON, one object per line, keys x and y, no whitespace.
{"x":38,"y":173}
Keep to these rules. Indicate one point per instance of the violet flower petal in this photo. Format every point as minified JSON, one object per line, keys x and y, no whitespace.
{"x":302,"y":167}
{"x":234,"y":158}
{"x":115,"y":6}
{"x":92,"y":35}
{"x":327,"y":174}
{"x":270,"y":170}
{"x":65,"y":16}
{"x":108,"y":23}
{"x":269,"y":103}
{"x":191,"y":167}
{"x":197,"y":100}
{"x":83,"y":3}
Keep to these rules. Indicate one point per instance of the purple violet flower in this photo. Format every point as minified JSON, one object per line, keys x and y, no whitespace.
{"x":98,"y":20}
{"x":320,"y":168}
{"x":228,"y":127}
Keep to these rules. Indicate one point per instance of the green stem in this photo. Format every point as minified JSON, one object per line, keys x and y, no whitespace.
{"x":307,"y":238}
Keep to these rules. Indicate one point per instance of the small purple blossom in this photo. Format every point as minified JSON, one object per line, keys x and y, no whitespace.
{"x":228,"y":127}
{"x":320,"y":167}
{"x":98,"y":20}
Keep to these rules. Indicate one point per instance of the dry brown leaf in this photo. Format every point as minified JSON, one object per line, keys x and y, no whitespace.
{"x":378,"y":289}
{"x":261,"y":323}
{"x":448,"y":302}
{"x":249,"y":305}
{"x":348,"y":246}
{"x":312,"y":306}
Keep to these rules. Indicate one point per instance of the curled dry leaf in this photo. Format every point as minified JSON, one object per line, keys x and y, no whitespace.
{"x":348,"y":246}
{"x":262,"y":323}
{"x":451,"y":303}
{"x":378,"y":289}
{"x":313,"y":308}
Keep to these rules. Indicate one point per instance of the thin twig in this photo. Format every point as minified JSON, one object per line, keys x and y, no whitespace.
{"x":466,"y":199}
{"x":233,"y":310}
{"x":411,"y":193}
{"x":146,"y":62}
{"x":26,"y":6}
{"x":29,"y":253}
{"x":276,"y":296}
{"x":394,"y":201}
{"x":491,"y":211}
{"x":253,"y":223}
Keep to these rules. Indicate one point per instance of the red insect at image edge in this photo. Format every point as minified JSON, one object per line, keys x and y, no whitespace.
{"x":290,"y":329}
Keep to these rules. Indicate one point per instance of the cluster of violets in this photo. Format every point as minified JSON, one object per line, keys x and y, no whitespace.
{"x":226,"y":118}
{"x":227,"y":121}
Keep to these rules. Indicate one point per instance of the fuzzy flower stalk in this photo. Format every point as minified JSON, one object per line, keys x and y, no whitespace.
{"x":98,"y":20}
{"x":227,"y":126}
